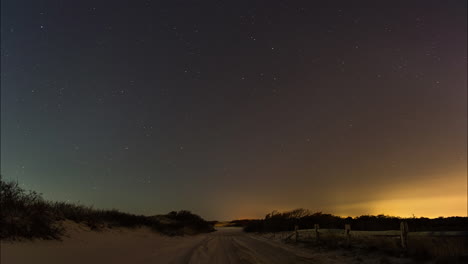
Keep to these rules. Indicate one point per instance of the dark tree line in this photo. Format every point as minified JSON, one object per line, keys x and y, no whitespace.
{"x":304,"y":219}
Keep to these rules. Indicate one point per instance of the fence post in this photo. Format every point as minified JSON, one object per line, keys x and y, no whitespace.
{"x":317,"y":236}
{"x":404,"y":235}
{"x":296,"y":228}
{"x":347,"y":234}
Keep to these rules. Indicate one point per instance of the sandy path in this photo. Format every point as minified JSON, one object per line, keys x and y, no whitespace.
{"x":231,"y":245}
{"x":227,"y":245}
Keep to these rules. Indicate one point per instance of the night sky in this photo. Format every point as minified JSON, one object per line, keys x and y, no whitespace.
{"x":232,"y":109}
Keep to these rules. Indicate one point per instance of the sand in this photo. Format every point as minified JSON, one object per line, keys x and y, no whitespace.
{"x":227,"y":245}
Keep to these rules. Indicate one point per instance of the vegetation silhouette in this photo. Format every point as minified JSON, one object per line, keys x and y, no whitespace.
{"x":304,"y":219}
{"x":25,"y":214}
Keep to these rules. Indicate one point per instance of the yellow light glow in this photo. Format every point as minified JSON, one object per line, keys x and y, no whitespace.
{"x":444,"y":196}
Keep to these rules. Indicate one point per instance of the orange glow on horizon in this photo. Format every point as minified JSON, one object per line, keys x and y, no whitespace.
{"x":434,"y":197}
{"x":430,"y":207}
{"x":443,"y":196}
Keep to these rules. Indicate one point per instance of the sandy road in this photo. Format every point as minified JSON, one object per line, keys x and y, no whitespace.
{"x":231,"y":245}
{"x":141,"y":246}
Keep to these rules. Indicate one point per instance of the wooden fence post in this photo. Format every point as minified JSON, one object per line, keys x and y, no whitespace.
{"x":404,"y":235}
{"x":296,"y":228}
{"x":317,"y":236}
{"x":347,"y":234}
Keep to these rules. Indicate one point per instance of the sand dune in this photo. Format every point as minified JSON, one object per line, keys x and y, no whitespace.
{"x":227,"y":245}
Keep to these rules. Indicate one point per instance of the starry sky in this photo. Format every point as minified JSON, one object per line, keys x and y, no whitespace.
{"x":232,"y":109}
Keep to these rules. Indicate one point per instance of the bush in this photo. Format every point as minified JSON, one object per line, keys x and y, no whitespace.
{"x":27,"y":214}
{"x":187,"y":220}
{"x":285,"y":221}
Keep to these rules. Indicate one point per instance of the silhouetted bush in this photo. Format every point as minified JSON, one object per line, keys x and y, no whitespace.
{"x":285,"y":221}
{"x":27,"y":214}
{"x":240,"y":222}
{"x":186,"y":219}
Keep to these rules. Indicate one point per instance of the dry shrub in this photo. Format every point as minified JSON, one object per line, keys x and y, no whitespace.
{"x":25,"y":214}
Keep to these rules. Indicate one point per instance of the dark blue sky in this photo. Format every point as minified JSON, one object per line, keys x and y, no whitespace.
{"x":235,"y":108}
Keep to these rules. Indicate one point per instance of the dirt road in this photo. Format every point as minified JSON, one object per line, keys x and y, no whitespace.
{"x":142,"y":246}
{"x":227,"y":245}
{"x":231,"y":245}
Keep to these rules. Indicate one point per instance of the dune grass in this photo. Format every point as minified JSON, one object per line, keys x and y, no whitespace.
{"x":25,"y":214}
